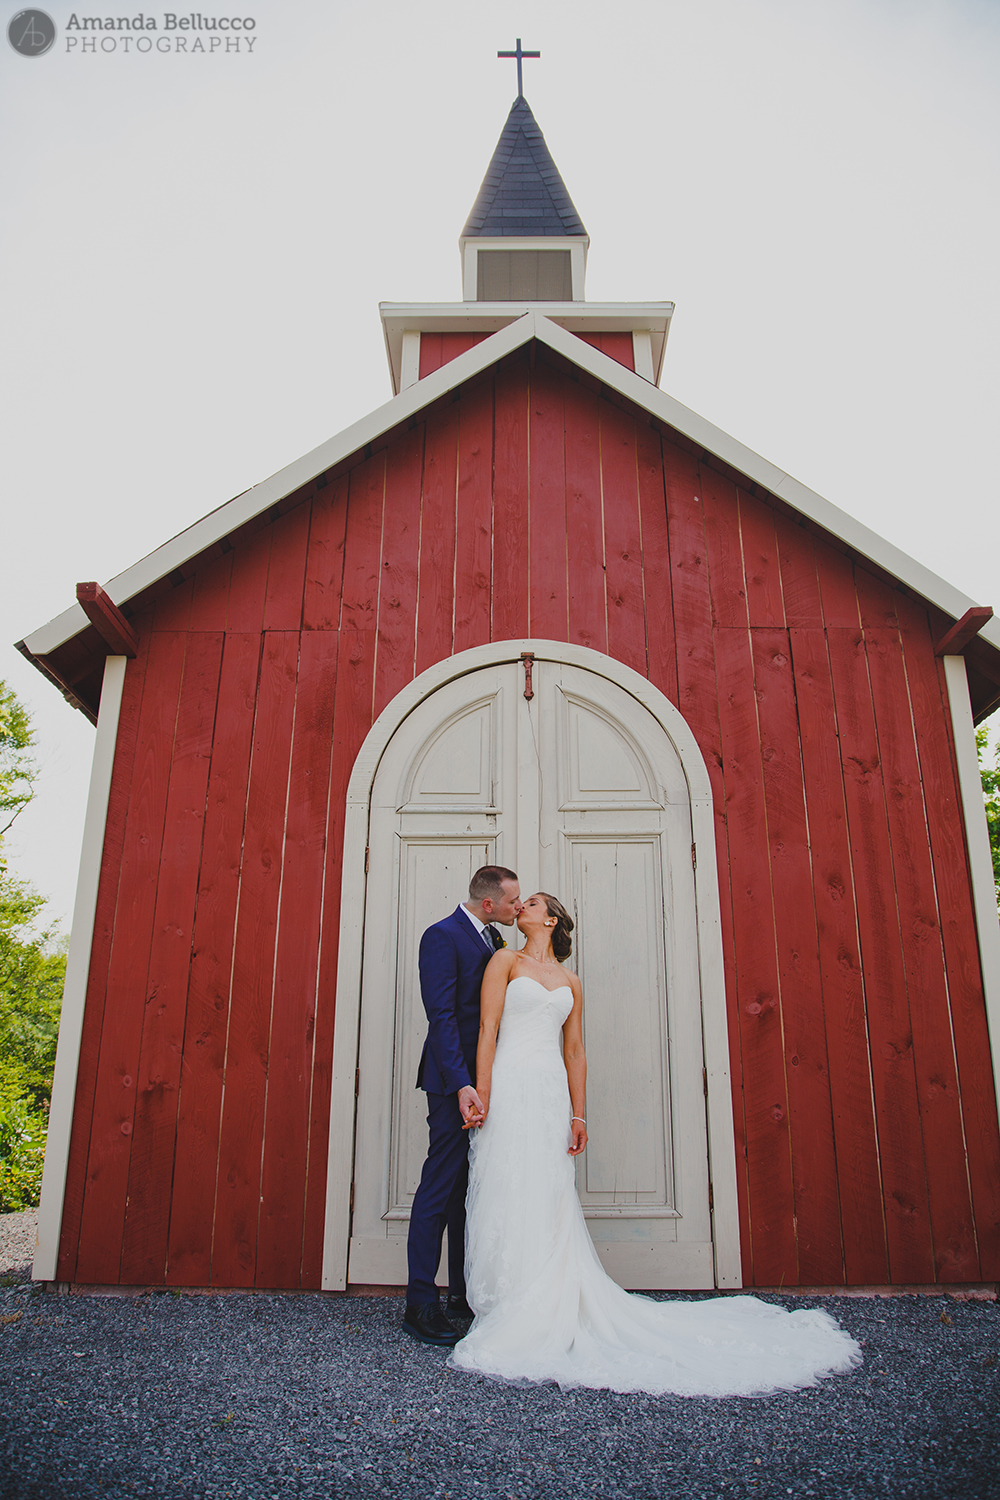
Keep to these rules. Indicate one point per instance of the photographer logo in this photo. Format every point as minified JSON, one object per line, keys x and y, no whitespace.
{"x":31,"y":32}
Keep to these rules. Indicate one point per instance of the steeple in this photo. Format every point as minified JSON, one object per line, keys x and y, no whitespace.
{"x":524,"y":205}
{"x":524,"y":250}
{"x":522,"y":192}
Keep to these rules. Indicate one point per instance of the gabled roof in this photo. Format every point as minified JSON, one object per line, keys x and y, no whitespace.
{"x":522,"y":192}
{"x":220,"y":523}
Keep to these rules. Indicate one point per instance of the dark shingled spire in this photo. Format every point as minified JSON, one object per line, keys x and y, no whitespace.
{"x":522,"y":192}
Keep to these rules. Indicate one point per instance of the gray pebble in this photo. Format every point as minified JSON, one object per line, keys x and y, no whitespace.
{"x":251,"y":1397}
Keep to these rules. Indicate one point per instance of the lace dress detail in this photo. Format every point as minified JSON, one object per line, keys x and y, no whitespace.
{"x":545,"y":1308}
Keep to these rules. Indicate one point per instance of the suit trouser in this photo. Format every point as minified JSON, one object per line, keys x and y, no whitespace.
{"x":439,"y":1203}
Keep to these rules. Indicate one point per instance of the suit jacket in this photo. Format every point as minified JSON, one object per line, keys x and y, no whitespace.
{"x":453,"y":958}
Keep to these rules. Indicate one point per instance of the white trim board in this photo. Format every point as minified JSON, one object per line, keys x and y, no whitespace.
{"x":409,"y":359}
{"x":980,"y":857}
{"x":721,"y":1136}
{"x":532,"y":325}
{"x":77,"y":971}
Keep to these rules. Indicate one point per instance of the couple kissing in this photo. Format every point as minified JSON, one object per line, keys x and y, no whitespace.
{"x":505,"y":1075}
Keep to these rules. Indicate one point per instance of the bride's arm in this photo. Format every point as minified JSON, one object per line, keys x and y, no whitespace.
{"x":576,"y":1067}
{"x":491,"y":998}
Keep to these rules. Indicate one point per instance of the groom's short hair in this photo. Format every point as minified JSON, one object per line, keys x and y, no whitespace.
{"x":488,"y":881}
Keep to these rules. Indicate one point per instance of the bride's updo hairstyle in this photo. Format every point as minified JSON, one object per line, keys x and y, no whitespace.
{"x":562,"y":943}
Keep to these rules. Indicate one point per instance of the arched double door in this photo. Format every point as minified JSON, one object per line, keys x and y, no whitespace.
{"x":581,"y":790}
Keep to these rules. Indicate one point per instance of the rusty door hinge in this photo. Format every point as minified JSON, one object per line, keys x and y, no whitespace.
{"x":694,"y":857}
{"x":528,"y":657}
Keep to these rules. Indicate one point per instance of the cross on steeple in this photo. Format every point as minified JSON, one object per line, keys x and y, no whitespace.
{"x":519,"y":54}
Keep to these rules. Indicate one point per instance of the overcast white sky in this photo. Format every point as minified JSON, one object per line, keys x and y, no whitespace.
{"x":194,"y":246}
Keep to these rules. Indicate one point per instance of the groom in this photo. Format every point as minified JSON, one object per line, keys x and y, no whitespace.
{"x":453,"y":956}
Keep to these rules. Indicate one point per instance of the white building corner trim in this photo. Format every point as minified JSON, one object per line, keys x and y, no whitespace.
{"x":978,"y":840}
{"x":77,"y":971}
{"x":642,"y":354}
{"x":410,"y":360}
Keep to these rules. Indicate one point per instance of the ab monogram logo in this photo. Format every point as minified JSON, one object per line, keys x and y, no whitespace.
{"x":31,"y":32}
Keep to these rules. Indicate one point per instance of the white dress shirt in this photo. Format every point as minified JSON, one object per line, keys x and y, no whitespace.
{"x":480,"y":927}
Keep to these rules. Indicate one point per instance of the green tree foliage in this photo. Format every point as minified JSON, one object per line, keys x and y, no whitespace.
{"x":32,"y":969}
{"x":991,"y":795}
{"x":17,"y":766}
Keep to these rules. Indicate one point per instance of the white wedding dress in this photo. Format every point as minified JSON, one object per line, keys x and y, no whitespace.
{"x":545,"y":1309}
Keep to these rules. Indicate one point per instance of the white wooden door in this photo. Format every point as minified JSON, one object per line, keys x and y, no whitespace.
{"x":615,"y":846}
{"x":580,"y":790}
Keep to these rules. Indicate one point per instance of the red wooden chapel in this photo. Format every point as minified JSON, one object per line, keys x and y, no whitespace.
{"x":253,"y":680}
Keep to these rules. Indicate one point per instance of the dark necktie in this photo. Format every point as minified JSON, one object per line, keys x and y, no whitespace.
{"x":489,"y":938}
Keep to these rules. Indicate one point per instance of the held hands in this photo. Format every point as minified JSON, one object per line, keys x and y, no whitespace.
{"x":472,"y":1108}
{"x":474,"y":1111}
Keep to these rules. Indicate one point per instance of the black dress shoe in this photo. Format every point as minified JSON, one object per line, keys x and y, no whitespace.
{"x":458,"y":1307}
{"x":425,"y":1321}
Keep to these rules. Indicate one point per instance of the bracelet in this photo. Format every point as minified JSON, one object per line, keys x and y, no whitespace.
{"x":580,"y":1118}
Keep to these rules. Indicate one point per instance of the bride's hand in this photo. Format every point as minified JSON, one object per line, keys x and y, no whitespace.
{"x":579,"y":1134}
{"x":474,"y":1108}
{"x":474,"y":1122}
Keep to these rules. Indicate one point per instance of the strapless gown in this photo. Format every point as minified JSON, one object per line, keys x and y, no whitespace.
{"x":545,"y":1309}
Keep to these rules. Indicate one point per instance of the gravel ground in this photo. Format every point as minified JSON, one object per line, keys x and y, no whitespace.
{"x":253,"y":1397}
{"x":17,"y":1240}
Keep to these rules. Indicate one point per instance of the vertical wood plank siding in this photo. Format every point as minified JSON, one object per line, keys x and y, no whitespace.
{"x":616,"y":345}
{"x":437,"y":349}
{"x":531,"y":503}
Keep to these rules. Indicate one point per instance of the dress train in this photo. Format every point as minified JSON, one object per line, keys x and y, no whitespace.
{"x":545,"y":1308}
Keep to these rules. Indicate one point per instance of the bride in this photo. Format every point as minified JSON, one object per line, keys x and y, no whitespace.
{"x":545,"y":1310}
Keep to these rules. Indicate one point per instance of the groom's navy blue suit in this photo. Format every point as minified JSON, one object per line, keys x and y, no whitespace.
{"x":453,"y":956}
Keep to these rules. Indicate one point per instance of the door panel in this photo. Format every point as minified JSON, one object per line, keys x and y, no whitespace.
{"x":425,"y":869}
{"x":602,"y":768}
{"x":619,"y":903}
{"x":437,"y":802}
{"x":581,"y":791}
{"x":458,"y":765}
{"x":619,"y":836}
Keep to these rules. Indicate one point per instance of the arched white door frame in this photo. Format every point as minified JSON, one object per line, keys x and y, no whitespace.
{"x":721,"y":1140}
